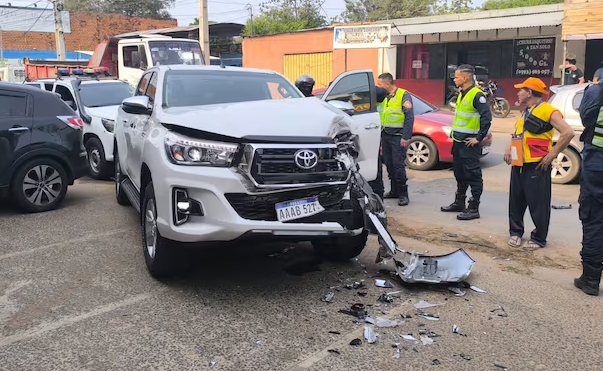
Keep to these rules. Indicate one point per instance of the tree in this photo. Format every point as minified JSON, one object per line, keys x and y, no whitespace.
{"x":506,"y":4}
{"x":376,"y":10}
{"x":196,"y":22}
{"x":454,"y":7}
{"x":279,"y":16}
{"x":155,"y":9}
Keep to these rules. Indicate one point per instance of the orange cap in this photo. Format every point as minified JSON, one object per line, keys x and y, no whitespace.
{"x":533,"y":83}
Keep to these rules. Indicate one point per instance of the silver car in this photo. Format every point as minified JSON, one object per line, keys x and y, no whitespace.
{"x":567,"y":99}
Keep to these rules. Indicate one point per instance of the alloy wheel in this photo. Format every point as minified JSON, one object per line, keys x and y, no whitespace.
{"x":150,"y":228}
{"x":561,"y":166}
{"x":418,"y":153}
{"x":42,"y":185}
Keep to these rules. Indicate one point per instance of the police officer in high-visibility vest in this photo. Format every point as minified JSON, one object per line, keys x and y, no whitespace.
{"x":531,"y":152}
{"x":377,"y":184}
{"x":591,"y":189}
{"x":397,"y":120}
{"x":472,"y":120}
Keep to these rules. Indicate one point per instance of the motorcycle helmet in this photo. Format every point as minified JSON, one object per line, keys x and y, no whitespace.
{"x":305,"y":84}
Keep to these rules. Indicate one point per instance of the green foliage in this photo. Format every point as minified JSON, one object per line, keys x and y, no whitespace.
{"x":155,"y":9}
{"x":277,"y":16}
{"x":506,"y":4}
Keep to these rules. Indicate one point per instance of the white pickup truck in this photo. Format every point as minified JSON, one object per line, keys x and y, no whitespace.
{"x":209,"y":154}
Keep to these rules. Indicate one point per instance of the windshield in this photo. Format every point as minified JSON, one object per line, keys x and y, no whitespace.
{"x":175,"y":52}
{"x":103,"y":94}
{"x":197,"y":88}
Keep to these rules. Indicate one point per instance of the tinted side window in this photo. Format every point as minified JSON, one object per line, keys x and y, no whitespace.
{"x":143,"y":83}
{"x":577,"y":100}
{"x":355,"y":89}
{"x":12,"y":106}
{"x":131,"y":56}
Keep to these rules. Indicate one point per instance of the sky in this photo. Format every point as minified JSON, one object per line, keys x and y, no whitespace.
{"x":234,"y":11}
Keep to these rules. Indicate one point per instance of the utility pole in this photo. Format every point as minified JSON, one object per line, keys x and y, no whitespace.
{"x":250,"y":8}
{"x":59,"y":38}
{"x":204,"y":29}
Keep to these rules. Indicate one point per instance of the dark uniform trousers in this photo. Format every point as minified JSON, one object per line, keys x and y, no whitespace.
{"x":591,"y":215}
{"x":394,"y":156}
{"x":467,"y":169}
{"x":530,"y":188}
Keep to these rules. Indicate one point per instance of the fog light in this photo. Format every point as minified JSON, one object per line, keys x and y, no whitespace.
{"x":184,"y":207}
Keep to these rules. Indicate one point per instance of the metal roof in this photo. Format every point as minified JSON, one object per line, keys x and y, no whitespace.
{"x":546,"y":15}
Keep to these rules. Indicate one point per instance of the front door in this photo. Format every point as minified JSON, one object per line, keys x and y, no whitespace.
{"x":358,"y":87}
{"x":16,"y":111}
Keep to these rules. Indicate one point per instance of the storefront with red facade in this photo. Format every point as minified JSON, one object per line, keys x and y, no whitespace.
{"x":505,"y":46}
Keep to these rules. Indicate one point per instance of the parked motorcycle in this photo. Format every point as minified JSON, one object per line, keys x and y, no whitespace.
{"x":499,"y":106}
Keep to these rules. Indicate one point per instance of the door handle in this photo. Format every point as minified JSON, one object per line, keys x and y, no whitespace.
{"x":16,"y":129}
{"x":371,"y":126}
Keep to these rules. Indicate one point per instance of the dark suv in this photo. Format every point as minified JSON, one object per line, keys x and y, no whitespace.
{"x":41,"y":151}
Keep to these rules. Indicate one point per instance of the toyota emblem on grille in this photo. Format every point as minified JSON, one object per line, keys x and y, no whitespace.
{"x":306,"y":159}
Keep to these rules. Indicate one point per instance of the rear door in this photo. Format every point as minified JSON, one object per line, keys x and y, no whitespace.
{"x":16,"y":111}
{"x":358,"y":87}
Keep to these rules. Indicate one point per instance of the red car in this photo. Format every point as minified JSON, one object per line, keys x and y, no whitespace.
{"x":431,"y":142}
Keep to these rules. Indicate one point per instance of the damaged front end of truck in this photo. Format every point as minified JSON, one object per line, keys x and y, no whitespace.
{"x":411,"y":266}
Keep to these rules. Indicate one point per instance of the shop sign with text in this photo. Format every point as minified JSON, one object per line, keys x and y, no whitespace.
{"x":360,"y":37}
{"x":534,"y":57}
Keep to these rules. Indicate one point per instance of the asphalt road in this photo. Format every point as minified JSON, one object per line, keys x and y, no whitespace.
{"x":75,"y":295}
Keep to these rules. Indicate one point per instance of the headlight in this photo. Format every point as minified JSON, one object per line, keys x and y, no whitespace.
{"x":108,"y":124}
{"x":183,"y":150}
{"x":447,"y":130}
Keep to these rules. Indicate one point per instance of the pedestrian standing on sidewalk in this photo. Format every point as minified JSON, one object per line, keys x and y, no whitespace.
{"x":531,"y":153}
{"x":397,"y":121}
{"x":472,"y":120}
{"x":591,"y":190}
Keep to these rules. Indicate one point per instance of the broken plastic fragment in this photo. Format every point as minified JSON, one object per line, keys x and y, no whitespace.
{"x":455,"y":329}
{"x":383,"y":283}
{"x":502,"y":310}
{"x":408,"y":337}
{"x":477,"y":289}
{"x":450,"y":268}
{"x":562,"y":207}
{"x":426,"y":340}
{"x":370,"y":335}
{"x":370,"y":320}
{"x":328,"y":298}
{"x":429,"y":317}
{"x":385,"y":298}
{"x":436,"y":362}
{"x":212,"y":364}
{"x":383,"y":322}
{"x":457,"y":291}
{"x":397,"y":354}
{"x":423,"y":304}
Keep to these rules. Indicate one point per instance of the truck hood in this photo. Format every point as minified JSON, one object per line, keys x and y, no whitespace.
{"x":302,"y":117}
{"x":107,"y":112}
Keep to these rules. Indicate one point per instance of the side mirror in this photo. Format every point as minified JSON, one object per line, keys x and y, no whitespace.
{"x":346,"y":107}
{"x":137,"y":105}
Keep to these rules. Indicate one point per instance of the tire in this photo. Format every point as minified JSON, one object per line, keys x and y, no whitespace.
{"x":120,"y":195}
{"x":505,"y":108}
{"x":39,"y":185}
{"x":341,"y":249}
{"x":98,"y":167}
{"x":422,"y":153}
{"x":162,"y":257}
{"x":566,"y":167}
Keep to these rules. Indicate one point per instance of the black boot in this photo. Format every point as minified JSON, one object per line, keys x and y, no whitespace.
{"x":403,"y":201}
{"x":457,"y":206}
{"x":471,"y":212}
{"x":394,"y":191}
{"x":590,"y":279}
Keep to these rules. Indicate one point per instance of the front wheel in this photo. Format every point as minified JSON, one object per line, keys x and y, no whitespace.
{"x":500,"y":108}
{"x":422,"y":153}
{"x":120,"y":194}
{"x":40,"y":185}
{"x":98,"y":166}
{"x":566,"y":167}
{"x":162,"y":257}
{"x":340,"y":249}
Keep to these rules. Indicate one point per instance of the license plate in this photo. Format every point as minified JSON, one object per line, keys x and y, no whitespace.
{"x":485,"y":149}
{"x":298,"y":209}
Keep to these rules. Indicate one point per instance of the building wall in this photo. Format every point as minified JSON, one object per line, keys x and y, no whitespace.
{"x":268,"y":52}
{"x":87,"y":30}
